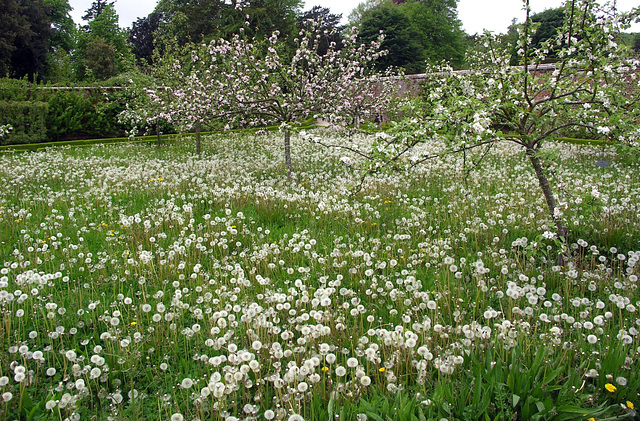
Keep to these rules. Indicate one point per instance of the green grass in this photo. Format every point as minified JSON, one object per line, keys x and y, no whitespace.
{"x":130,"y":272}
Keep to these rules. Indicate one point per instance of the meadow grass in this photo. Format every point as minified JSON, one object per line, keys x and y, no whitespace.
{"x":140,"y":282}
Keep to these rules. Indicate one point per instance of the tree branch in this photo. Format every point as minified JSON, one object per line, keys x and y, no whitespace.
{"x":348,"y":148}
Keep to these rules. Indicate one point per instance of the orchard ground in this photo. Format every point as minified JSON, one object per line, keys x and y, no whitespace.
{"x":140,"y":282}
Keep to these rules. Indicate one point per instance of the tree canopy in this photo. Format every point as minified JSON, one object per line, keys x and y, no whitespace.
{"x":41,"y":41}
{"x":102,"y":49}
{"x":401,"y":39}
{"x":186,"y":21}
{"x":14,"y":26}
{"x":364,"y":9}
{"x":62,"y":25}
{"x":25,"y":39}
{"x":416,"y":30}
{"x":96,"y":9}
{"x":439,"y":29}
{"x":141,"y":37}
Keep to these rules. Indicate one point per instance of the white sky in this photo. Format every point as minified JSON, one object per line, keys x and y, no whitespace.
{"x":476,"y":15}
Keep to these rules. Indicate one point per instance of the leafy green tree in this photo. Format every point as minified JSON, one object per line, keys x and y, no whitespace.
{"x":171,"y":33}
{"x":435,"y":34}
{"x":25,"y":38}
{"x":364,"y":9}
{"x":194,"y":21}
{"x":62,"y":41}
{"x":101,"y":59}
{"x":439,"y":29}
{"x":96,"y":9}
{"x":268,"y":16}
{"x":141,"y":37}
{"x":401,"y":39}
{"x":14,"y":25}
{"x":544,"y":26}
{"x":34,"y":32}
{"x":30,"y":58}
{"x":97,"y":40}
{"x":62,"y":25}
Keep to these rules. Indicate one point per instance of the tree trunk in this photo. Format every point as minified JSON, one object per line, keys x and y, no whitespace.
{"x":550,"y":199}
{"x":158,"y":134}
{"x":287,"y":152}
{"x":198,"y":148}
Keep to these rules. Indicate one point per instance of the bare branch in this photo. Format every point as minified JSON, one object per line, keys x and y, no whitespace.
{"x":465,"y":148}
{"x":348,"y":148}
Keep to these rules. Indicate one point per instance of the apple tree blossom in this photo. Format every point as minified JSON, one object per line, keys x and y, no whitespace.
{"x":251,"y":83}
{"x":187,"y":95}
{"x":593,"y":90}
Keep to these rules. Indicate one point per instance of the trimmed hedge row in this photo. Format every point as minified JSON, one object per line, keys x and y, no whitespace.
{"x":81,"y":115}
{"x":27,"y":119}
{"x":59,"y":114}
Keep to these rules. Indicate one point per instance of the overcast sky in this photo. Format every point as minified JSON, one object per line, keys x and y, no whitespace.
{"x":476,"y":15}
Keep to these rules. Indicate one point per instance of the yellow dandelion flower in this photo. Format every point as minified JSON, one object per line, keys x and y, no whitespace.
{"x":325,"y":368}
{"x":630,"y":405}
{"x":611,"y":388}
{"x":591,"y":419}
{"x":382,"y":369}
{"x":133,"y":323}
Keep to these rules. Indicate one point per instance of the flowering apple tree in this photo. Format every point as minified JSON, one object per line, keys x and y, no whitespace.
{"x":366,"y":98}
{"x":186,"y":95}
{"x":142,"y":115}
{"x":249,"y":83}
{"x":262,"y":84}
{"x":593,"y":88}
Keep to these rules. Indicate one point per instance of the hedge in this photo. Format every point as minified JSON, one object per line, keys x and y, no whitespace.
{"x":72,"y":113}
{"x":27,"y":119}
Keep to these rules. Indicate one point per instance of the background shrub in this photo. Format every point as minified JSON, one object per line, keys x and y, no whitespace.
{"x":83,"y":114}
{"x":68,"y":115}
{"x":72,"y":113}
{"x":28,"y":120}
